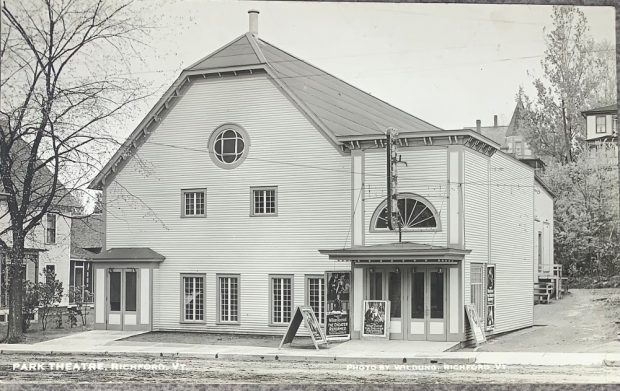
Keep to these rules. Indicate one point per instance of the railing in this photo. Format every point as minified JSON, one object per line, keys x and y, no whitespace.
{"x":554,"y":270}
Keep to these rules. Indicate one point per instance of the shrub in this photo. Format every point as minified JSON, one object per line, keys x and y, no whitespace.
{"x":50,"y":295}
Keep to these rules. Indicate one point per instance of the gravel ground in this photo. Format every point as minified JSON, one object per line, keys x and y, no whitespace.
{"x":581,"y":322}
{"x":195,"y":371}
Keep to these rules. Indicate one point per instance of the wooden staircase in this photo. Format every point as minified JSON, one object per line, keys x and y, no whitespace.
{"x":550,"y":284}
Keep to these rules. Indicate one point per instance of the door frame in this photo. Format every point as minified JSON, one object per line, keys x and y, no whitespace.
{"x":427,"y":336}
{"x":123,"y":311}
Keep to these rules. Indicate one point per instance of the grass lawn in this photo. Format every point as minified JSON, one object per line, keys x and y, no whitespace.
{"x":35,"y":333}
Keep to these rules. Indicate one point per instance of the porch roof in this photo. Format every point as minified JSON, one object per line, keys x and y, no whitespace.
{"x":131,"y":254}
{"x":404,"y":251}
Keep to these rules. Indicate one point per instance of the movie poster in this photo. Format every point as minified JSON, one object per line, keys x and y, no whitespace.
{"x":337,"y":304}
{"x":375,"y":319}
{"x":490,"y":282}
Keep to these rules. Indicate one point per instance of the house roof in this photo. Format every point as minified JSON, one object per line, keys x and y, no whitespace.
{"x":610,"y":109}
{"x":335,"y":107}
{"x":402,"y":251}
{"x":120,"y":254}
{"x":43,"y":178}
{"x":495,"y":133}
{"x":86,"y":236}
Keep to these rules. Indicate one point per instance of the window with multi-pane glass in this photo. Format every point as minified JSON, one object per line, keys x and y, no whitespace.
{"x":282,"y":299}
{"x":264,"y":201}
{"x":229,"y":299}
{"x":193,"y":291}
{"x":193,"y":203}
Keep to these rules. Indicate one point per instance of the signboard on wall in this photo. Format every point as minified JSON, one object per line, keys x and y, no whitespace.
{"x":337,"y":305}
{"x":475,"y":324}
{"x":375,"y":323}
{"x":490,"y":283}
{"x":306,"y":314}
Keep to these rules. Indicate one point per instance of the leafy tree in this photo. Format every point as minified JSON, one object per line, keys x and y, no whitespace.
{"x":576,"y":77}
{"x":65,"y":77}
{"x":586,"y":240}
{"x":50,"y":296}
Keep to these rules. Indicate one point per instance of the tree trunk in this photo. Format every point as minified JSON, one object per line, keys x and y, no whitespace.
{"x":15,"y":327}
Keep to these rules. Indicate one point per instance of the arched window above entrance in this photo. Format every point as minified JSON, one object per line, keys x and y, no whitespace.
{"x":416,"y":214}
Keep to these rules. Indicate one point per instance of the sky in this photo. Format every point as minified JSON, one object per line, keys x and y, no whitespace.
{"x":448,"y":64}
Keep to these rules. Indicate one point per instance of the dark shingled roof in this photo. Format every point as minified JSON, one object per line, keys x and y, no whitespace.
{"x":117,"y":254}
{"x":86,"y":236}
{"x":611,"y":109}
{"x":404,"y":250}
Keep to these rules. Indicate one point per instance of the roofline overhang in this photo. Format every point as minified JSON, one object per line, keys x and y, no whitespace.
{"x":125,"y":260}
{"x":395,"y":254}
{"x":466,"y":137}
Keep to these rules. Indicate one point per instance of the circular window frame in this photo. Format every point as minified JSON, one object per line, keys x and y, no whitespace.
{"x":221,"y":129}
{"x":417,"y":197}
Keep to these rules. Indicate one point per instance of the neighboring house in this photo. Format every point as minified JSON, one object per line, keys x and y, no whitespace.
{"x":258,"y":172}
{"x":601,"y":125}
{"x":48,"y":244}
{"x":86,"y":242}
{"x":511,"y":138}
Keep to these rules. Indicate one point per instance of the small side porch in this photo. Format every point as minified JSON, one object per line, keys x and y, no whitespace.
{"x":551,"y":283}
{"x":123,"y":287}
{"x":421,"y":284}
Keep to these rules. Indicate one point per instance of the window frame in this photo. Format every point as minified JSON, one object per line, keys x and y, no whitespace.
{"x":271,"y":299}
{"x":596,"y":127}
{"x":45,"y":267}
{"x":417,"y":197}
{"x":219,"y":299}
{"x":182,"y":298}
{"x":213,"y":138}
{"x":194,"y":190}
{"x":322,"y":301}
{"x":263,"y":188}
{"x":47,"y":228}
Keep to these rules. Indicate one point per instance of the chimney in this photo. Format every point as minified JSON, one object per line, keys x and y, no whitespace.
{"x":495,"y":120}
{"x":253,"y":21}
{"x":478,"y":122}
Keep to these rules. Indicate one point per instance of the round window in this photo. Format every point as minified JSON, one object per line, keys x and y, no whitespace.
{"x":228,"y":145}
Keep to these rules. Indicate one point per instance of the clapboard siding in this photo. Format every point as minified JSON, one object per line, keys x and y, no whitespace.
{"x":512,"y":220}
{"x":286,"y":151}
{"x":425,"y":174}
{"x":476,"y":210}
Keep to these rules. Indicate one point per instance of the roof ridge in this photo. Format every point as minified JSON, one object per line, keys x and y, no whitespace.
{"x":212,"y":54}
{"x":345,"y":82}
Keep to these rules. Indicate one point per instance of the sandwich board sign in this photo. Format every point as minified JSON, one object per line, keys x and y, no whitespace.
{"x":306,"y":314}
{"x":474,"y":324}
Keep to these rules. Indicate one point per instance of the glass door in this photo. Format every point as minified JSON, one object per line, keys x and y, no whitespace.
{"x":115,"y":292}
{"x":427,"y":304}
{"x":395,"y":296}
{"x":122,"y":298}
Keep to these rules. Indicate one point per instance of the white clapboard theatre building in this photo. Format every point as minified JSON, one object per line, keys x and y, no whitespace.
{"x":256,"y":172}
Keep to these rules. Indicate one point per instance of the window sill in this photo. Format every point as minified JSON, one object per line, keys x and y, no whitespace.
{"x":278,"y":324}
{"x":193,"y":216}
{"x":193,"y":322}
{"x":264,"y":215}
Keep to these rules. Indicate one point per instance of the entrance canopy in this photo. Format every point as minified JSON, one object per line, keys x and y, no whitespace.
{"x":405,"y":252}
{"x":128,"y":254}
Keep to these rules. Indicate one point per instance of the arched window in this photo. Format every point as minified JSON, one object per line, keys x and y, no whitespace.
{"x":416,"y":214}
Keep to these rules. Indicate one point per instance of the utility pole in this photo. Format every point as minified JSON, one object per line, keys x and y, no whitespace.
{"x":393,"y":158}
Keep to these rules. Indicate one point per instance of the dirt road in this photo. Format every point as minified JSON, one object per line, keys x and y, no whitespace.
{"x":581,"y":322}
{"x":116,"y":369}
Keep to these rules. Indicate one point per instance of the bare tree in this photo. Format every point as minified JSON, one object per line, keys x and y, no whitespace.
{"x":64,"y":81}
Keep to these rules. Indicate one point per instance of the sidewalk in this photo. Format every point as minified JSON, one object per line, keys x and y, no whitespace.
{"x":351,"y":352}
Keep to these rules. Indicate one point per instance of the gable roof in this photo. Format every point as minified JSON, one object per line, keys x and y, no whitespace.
{"x":495,"y":133}
{"x":335,"y":107}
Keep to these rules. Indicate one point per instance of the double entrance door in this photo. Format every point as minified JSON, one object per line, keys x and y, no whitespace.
{"x":418,"y":300}
{"x":122,"y":299}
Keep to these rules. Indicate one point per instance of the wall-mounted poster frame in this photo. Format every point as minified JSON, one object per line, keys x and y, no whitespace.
{"x":337,"y":305}
{"x":490,"y":283}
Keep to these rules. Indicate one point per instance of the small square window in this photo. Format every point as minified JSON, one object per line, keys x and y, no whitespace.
{"x":264,"y":201}
{"x":193,"y":203}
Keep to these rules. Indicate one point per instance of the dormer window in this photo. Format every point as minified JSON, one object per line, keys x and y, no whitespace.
{"x":228,"y":145}
{"x":601,"y":124}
